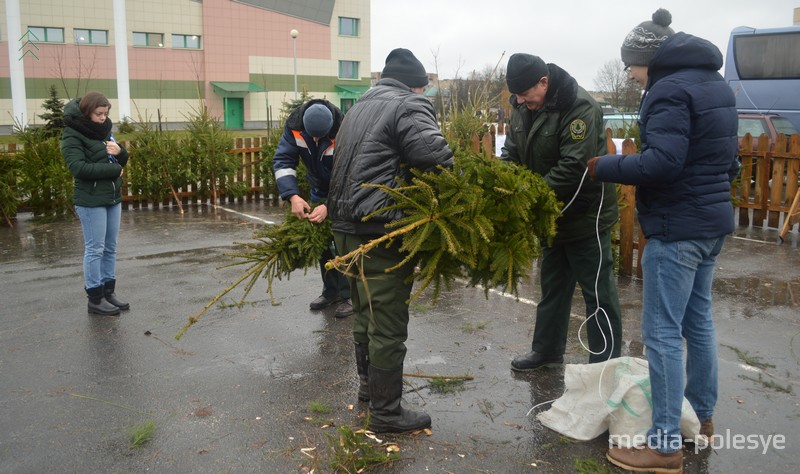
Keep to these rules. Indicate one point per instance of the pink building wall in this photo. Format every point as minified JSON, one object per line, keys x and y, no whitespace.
{"x":233,"y":32}
{"x":70,"y":61}
{"x":57,"y":60}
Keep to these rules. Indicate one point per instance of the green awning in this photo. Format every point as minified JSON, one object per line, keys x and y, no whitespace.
{"x":434,"y":91}
{"x":227,"y":89}
{"x":351,"y":92}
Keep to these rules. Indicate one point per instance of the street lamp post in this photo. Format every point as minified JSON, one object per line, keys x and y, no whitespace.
{"x":294,"y":34}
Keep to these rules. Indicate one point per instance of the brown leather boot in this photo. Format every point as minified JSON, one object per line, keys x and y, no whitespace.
{"x":644,"y":459}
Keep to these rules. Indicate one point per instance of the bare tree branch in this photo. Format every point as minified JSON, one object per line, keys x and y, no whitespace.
{"x":613,"y":80}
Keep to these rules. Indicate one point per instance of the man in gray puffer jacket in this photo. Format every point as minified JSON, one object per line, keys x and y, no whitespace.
{"x":389,"y":131}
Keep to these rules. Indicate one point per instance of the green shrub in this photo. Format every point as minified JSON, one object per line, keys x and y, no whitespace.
{"x":264,"y":171}
{"x":126,"y":126}
{"x":208,"y":149}
{"x":45,"y":183}
{"x":157,"y":168}
{"x":54,"y":115}
{"x":9,"y":198}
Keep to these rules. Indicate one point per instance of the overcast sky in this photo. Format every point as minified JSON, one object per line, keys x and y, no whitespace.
{"x":578,"y":35}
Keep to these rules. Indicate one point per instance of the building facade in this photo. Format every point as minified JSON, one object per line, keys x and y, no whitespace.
{"x":161,"y":60}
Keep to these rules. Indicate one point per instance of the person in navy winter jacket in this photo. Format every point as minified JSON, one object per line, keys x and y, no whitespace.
{"x":309,"y":135}
{"x":688,"y":127}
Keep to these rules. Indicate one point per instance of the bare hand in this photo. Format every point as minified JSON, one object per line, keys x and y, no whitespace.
{"x":319,"y":214}
{"x":300,"y":207}
{"x":112,"y":148}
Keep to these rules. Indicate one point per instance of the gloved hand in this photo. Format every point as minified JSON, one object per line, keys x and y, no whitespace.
{"x":591,"y":165}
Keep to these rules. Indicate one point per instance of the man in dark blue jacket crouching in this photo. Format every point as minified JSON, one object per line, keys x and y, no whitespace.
{"x":309,"y":135}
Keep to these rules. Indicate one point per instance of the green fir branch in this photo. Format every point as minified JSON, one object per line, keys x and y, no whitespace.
{"x":276,"y":253}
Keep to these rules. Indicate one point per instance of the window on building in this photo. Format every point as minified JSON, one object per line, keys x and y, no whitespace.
{"x":185,"y":41}
{"x":84,"y":36}
{"x":153,"y":40}
{"x":348,"y":69}
{"x":46,"y":34}
{"x":345,"y":104}
{"x":348,"y":26}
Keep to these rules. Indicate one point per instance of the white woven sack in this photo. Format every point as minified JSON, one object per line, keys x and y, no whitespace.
{"x":611,"y":396}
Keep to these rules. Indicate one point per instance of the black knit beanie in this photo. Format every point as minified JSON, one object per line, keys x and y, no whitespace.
{"x":524,"y":71}
{"x":641,"y":44}
{"x":401,"y":64}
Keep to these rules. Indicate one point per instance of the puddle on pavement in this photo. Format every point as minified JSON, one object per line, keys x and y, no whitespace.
{"x":762,"y":291}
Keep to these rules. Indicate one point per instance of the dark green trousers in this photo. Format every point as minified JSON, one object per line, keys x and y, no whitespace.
{"x":334,"y":284}
{"x":562,"y":267}
{"x":384,"y":328}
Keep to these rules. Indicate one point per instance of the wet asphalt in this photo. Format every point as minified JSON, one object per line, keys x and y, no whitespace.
{"x":237,"y":392}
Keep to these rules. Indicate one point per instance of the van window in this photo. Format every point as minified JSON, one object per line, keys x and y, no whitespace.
{"x":754,"y":126}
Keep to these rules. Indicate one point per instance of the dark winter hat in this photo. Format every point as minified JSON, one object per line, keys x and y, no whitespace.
{"x":401,"y":64}
{"x":318,"y":120}
{"x":524,"y":71}
{"x":642,"y":42}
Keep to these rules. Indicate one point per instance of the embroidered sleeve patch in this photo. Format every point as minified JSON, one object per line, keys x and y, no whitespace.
{"x":577,"y":129}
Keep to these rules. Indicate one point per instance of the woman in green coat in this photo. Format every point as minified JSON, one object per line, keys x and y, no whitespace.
{"x":96,"y":161}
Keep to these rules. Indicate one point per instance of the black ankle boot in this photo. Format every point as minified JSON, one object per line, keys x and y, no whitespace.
{"x":386,"y":413}
{"x":533,"y":360}
{"x":98,"y":303}
{"x":362,"y":364}
{"x":111,"y":297}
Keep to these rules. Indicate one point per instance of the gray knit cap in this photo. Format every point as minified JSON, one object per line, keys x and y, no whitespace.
{"x":318,"y":120}
{"x":641,"y":44}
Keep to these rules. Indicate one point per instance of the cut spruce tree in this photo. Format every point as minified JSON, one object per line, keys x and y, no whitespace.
{"x":484,"y":221}
{"x":277,"y":251}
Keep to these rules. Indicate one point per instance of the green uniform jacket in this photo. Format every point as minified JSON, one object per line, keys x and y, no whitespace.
{"x":97,"y":179}
{"x":556,"y":142}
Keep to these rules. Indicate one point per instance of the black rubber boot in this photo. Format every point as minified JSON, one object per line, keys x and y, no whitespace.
{"x":386,"y":413}
{"x":98,"y":303}
{"x":112,"y":298}
{"x":362,"y":364}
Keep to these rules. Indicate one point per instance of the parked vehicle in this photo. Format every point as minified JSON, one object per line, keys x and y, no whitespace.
{"x":770,"y":124}
{"x":609,"y":110}
{"x":617,"y":122}
{"x":763,"y":72}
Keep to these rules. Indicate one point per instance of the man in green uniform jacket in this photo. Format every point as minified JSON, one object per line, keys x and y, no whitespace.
{"x":556,"y":127}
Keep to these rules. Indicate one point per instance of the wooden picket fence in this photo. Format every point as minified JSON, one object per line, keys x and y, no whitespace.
{"x":631,"y":238}
{"x":767,"y":195}
{"x":771,"y":195}
{"x":249,"y":151}
{"x":769,"y":183}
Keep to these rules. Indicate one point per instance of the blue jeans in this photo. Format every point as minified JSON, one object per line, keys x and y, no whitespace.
{"x":677,"y":306}
{"x":100,"y":230}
